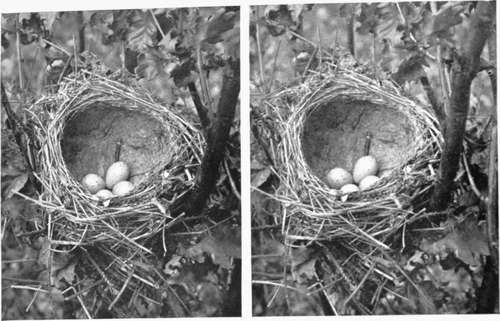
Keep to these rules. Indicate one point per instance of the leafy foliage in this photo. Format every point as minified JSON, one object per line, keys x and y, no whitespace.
{"x":165,"y":50}
{"x":397,"y":42}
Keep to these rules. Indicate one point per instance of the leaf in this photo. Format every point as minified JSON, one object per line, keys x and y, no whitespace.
{"x":48,"y":19}
{"x":375,"y":18}
{"x":261,"y":177}
{"x":162,"y":87}
{"x":192,"y":32}
{"x":9,"y":22}
{"x":62,"y":264}
{"x":142,"y":30}
{"x":481,"y":159}
{"x":168,"y":43}
{"x":222,"y":246}
{"x":455,"y":281}
{"x":66,"y":273}
{"x":277,"y":19}
{"x":387,"y":57}
{"x":184,"y":73}
{"x":44,"y":254}
{"x":121,"y":25}
{"x":32,"y":28}
{"x":211,"y":298}
{"x":150,"y":64}
{"x":219,"y":24}
{"x":256,"y":164}
{"x":303,"y":264}
{"x":232,"y":42}
{"x":416,"y":260}
{"x":448,"y":16}
{"x":100,"y":19}
{"x":297,"y":10}
{"x":410,"y":69}
{"x":173,"y":265}
{"x":466,"y":241}
{"x":16,"y":185}
{"x":15,"y":208}
{"x":286,"y":16}
{"x":346,"y":10}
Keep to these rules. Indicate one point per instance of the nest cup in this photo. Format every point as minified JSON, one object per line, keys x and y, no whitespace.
{"x":323,"y":123}
{"x":77,"y":129}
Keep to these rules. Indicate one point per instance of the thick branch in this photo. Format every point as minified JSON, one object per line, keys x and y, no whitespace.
{"x":216,"y":145}
{"x":464,"y":69}
{"x":81,"y":34}
{"x":351,"y":32}
{"x":14,"y":124}
{"x":200,"y":108}
{"x":492,"y":56}
{"x":492,"y":206}
{"x":433,"y":100}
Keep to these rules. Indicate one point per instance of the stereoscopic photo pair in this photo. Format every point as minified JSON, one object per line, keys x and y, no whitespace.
{"x":372,"y":161}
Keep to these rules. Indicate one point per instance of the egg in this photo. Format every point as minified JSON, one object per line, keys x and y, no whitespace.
{"x":117,"y":172}
{"x":123,"y":188}
{"x":349,"y":188}
{"x":93,"y":183}
{"x":368,"y":182}
{"x":104,"y":194}
{"x":334,"y":192}
{"x":385,"y":173}
{"x":365,"y":166}
{"x":338,"y":177}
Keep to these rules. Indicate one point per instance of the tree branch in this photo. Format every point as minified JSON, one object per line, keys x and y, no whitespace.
{"x":14,"y":124}
{"x":464,"y":68}
{"x":492,"y":205}
{"x":194,"y":202}
{"x":351,"y":31}
{"x":81,"y":33}
{"x":492,"y":56}
{"x":200,"y":108}
{"x":433,"y":100}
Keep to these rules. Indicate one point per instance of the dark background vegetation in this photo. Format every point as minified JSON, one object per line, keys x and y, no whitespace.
{"x":187,"y":59}
{"x":434,"y":51}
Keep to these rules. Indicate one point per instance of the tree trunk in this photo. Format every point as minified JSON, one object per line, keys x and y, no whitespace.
{"x":194,"y":202}
{"x":464,"y":68}
{"x":351,"y":31}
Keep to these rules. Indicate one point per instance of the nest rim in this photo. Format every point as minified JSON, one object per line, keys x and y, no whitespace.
{"x":64,"y":195}
{"x":310,"y":211}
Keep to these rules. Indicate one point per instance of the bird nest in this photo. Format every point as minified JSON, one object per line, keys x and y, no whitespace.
{"x":323,"y":123}
{"x":76,"y":130}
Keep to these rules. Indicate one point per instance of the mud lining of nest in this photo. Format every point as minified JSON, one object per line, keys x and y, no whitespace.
{"x":76,"y":131}
{"x":90,"y":139}
{"x":334,"y":135}
{"x":322,"y":122}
